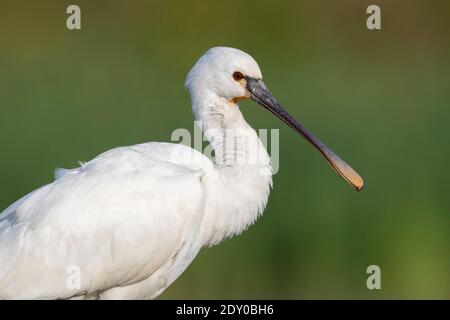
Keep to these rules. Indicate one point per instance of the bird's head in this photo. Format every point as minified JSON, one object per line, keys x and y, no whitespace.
{"x":224,"y":71}
{"x":231,"y":75}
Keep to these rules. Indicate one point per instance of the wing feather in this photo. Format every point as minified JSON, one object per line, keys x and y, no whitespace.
{"x":118,"y":218}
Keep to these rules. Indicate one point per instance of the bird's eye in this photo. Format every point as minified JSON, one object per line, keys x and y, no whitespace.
{"x":238,"y":76}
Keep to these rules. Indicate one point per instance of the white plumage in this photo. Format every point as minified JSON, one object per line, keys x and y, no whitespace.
{"x":135,"y":217}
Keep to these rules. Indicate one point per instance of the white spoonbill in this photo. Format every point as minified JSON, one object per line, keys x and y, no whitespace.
{"x":126,"y":224}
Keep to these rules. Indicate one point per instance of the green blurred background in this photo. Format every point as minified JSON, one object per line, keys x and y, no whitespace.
{"x":378,"y":98}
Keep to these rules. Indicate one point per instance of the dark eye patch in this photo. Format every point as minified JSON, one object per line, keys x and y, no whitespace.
{"x":238,"y":76}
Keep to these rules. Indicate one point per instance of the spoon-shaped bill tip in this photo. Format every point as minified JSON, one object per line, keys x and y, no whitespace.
{"x":261,"y":95}
{"x":344,"y":170}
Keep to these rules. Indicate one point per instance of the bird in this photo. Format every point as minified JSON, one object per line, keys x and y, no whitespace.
{"x":128,"y":223}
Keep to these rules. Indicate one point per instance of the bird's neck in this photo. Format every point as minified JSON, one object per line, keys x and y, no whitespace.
{"x":243,"y":173}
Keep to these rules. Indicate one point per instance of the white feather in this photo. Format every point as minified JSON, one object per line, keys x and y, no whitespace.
{"x":135,"y":217}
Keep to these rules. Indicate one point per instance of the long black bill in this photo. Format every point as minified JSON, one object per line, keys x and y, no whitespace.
{"x":262,"y":96}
